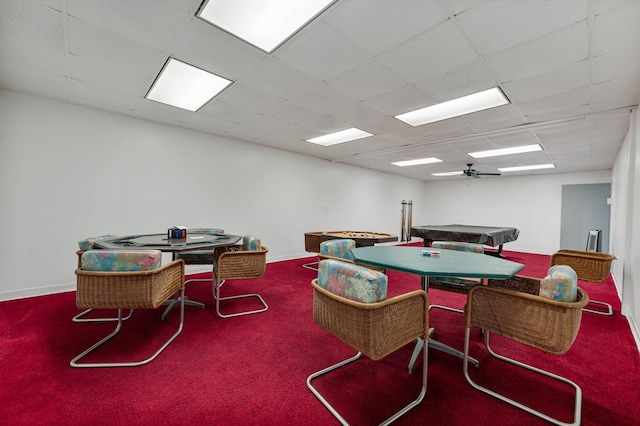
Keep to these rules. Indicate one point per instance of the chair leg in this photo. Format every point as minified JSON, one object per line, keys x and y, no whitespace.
{"x":311,"y":266}
{"x":607,"y":312}
{"x":391,"y":419}
{"x":218,"y":299}
{"x":80,"y":317}
{"x":578,"y":391}
{"x":74,"y":362}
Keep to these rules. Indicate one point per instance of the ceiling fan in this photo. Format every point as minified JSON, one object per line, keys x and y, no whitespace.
{"x":476,"y":174}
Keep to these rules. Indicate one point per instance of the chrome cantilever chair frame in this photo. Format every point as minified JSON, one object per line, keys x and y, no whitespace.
{"x":240,"y":264}
{"x":545,"y":324}
{"x":330,"y":308}
{"x":102,"y":289}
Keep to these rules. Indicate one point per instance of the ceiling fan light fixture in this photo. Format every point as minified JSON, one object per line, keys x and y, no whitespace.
{"x":417,"y":161}
{"x":506,"y":151}
{"x":265,"y":24}
{"x":184,"y":86}
{"x":456,"y":107}
{"x":340,"y":137}
{"x":522,"y":168}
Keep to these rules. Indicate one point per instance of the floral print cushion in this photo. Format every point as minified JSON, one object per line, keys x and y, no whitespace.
{"x":121,"y":260}
{"x":89,"y":243}
{"x":351,"y":281}
{"x":561,"y":283}
{"x":249,"y":242}
{"x":338,"y":248}
{"x":454,"y":245}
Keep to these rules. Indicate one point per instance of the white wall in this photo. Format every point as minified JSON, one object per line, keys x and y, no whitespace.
{"x":67,"y":173}
{"x":625,"y":224}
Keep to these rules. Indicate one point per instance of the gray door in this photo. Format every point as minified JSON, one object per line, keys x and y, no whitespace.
{"x":585,"y":208}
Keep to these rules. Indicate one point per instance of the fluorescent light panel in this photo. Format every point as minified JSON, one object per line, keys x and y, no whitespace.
{"x":185,"y":86}
{"x":417,"y":162}
{"x":263,"y":23}
{"x":506,"y":151}
{"x":456,"y":107}
{"x":447,"y":174}
{"x":340,"y":137}
{"x":521,"y":168}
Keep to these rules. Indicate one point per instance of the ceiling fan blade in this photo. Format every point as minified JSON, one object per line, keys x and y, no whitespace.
{"x":489,"y":174}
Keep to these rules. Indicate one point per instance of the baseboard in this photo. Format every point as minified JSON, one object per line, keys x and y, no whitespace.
{"x":37,"y":291}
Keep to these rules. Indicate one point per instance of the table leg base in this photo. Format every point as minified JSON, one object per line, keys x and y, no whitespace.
{"x":176,"y":302}
{"x":434,"y":344}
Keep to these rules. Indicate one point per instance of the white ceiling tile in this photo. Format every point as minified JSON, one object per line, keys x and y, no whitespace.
{"x":367,"y":81}
{"x":32,"y":21}
{"x":459,"y":82}
{"x":430,"y":54}
{"x":207,"y":47}
{"x":320,"y":52}
{"x":616,"y":29}
{"x":108,"y":48}
{"x":147,"y":21}
{"x":378,"y":26}
{"x":497,"y":25}
{"x":558,"y":81}
{"x":273,"y":76}
{"x":543,"y":54}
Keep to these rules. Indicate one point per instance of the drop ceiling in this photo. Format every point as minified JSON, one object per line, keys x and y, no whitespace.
{"x":571,"y":70}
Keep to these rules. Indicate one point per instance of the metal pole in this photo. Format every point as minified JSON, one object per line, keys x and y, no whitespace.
{"x":409,"y":218}
{"x":402,"y":221}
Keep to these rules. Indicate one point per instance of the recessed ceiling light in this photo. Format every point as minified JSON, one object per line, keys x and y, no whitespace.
{"x":417,"y":162}
{"x":456,"y":107}
{"x":521,"y":168}
{"x":263,"y":23}
{"x":506,"y":151}
{"x":340,"y":137}
{"x":185,"y":86}
{"x":447,"y":174}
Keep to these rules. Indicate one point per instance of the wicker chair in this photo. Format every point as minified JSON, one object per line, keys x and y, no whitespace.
{"x":85,"y":245}
{"x":590,"y":266}
{"x":542,"y":323}
{"x":312,"y":242}
{"x":250,"y":262}
{"x":128,"y":290}
{"x":373,"y":329}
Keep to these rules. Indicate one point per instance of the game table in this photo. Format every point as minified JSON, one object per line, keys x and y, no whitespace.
{"x":362,"y":238}
{"x":193,"y":241}
{"x":493,"y":236}
{"x":450,"y":263}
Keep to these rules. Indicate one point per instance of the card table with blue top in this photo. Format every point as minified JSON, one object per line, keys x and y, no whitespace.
{"x":450,"y":263}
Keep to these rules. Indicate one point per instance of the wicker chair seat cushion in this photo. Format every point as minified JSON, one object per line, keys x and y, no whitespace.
{"x":88,"y":244}
{"x":211,"y":231}
{"x":249,"y":242}
{"x":121,"y":260}
{"x":561,"y":283}
{"x":338,"y":248}
{"x":352,"y":282}
{"x":455,"y":245}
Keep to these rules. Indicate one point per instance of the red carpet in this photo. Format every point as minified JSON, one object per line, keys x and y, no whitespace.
{"x":252,"y":370}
